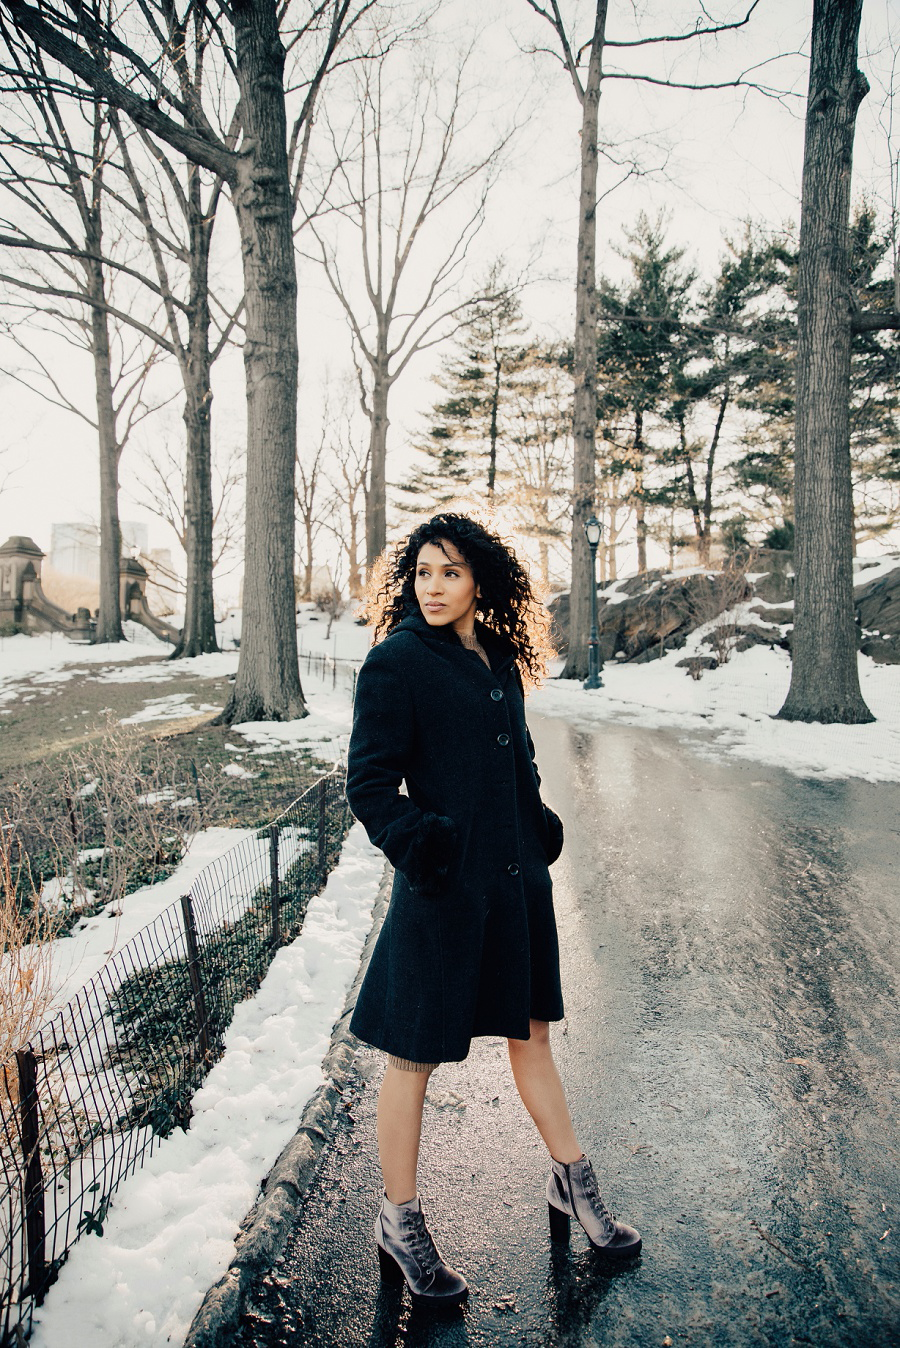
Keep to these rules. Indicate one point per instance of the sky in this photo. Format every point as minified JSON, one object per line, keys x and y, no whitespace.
{"x":709,"y":160}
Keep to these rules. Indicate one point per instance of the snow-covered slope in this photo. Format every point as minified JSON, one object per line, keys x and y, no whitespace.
{"x":170,"y":1231}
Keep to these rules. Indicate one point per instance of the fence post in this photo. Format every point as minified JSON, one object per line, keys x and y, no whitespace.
{"x":274,"y":896}
{"x":34,"y":1179}
{"x":190,"y":936}
{"x":321,"y":835}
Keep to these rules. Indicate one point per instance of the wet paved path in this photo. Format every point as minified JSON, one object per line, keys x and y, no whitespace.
{"x":729,"y":938}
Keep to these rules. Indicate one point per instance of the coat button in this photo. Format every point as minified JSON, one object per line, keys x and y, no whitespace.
{"x":503,"y":740}
{"x":497,"y":694}
{"x":513,"y":868}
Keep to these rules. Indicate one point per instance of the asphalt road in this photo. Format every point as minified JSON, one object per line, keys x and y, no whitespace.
{"x":729,"y":948}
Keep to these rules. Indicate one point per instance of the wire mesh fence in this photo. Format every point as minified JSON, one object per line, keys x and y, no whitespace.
{"x":88,"y":1097}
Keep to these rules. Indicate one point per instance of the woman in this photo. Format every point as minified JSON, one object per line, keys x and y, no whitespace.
{"x":468,"y":946}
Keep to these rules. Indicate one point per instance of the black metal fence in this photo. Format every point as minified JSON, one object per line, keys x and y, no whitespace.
{"x":330,"y":669}
{"x":114,"y":1071}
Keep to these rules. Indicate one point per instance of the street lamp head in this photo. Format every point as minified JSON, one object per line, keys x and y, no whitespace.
{"x":593,"y":529}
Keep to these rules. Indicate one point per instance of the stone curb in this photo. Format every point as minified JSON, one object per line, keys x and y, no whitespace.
{"x":265,"y":1228}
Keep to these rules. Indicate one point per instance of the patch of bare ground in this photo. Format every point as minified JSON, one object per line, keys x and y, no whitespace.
{"x":52,"y":718}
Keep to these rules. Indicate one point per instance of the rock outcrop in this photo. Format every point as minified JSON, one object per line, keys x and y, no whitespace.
{"x":641,"y":618}
{"x":878,"y":611}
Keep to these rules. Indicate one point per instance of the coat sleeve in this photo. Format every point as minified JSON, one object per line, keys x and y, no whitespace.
{"x":420,"y":844}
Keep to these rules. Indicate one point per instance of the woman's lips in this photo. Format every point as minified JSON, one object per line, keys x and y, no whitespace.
{"x":434,"y":606}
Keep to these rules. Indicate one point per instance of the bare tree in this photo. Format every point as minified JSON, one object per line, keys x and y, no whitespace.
{"x":824,"y":668}
{"x":538,"y":435}
{"x":584,"y":63}
{"x":164,"y":492}
{"x":189,"y":321}
{"x":53,"y":172}
{"x":403,"y":176}
{"x":258,"y":174}
{"x":152,"y":189}
{"x":584,"y":364}
{"x":348,"y":479}
{"x":310,"y":487}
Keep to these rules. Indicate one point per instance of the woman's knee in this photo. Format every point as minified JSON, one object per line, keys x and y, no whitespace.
{"x":538,"y":1041}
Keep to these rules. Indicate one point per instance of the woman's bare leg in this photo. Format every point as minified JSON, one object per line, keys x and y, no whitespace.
{"x":400,"y":1103}
{"x":538,"y":1083}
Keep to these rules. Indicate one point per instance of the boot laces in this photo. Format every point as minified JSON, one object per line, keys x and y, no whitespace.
{"x":593,"y":1195}
{"x":422,"y":1244}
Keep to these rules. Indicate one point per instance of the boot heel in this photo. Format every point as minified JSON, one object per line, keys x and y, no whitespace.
{"x":390,"y":1270}
{"x":559,"y":1224}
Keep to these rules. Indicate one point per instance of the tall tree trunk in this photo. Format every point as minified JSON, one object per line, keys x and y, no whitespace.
{"x":376,"y":514}
{"x":824,"y":675}
{"x":109,"y":619}
{"x":584,"y":364}
{"x":492,"y":452}
{"x":354,"y":571}
{"x":706,"y":535}
{"x":640,"y":509}
{"x":612,"y":539}
{"x":267,"y":685}
{"x":308,"y":563}
{"x":702,"y":553}
{"x":198,"y":636}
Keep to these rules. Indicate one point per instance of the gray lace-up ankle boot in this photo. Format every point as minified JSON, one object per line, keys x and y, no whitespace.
{"x":407,"y":1251}
{"x":572,"y":1192}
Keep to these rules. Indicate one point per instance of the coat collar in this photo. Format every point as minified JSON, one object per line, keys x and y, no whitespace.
{"x":444,"y":641}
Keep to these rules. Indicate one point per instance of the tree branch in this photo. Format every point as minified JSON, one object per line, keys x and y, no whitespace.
{"x":682,"y":37}
{"x":196,"y":145}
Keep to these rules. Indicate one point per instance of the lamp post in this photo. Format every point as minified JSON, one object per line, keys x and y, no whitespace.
{"x":593,"y":529}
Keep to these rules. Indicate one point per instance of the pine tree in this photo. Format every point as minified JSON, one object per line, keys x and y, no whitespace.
{"x":766,"y":468}
{"x":640,"y":342}
{"x":463,"y":442}
{"x":732,"y":358}
{"x":539,"y":449}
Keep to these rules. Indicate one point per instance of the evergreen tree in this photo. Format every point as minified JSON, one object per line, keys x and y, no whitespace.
{"x":538,"y":436}
{"x":640,"y":343}
{"x":732,"y":359}
{"x":765,"y":470}
{"x":463,"y":442}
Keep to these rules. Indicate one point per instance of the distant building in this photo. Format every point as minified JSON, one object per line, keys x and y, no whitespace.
{"x":75,"y":548}
{"x":134,"y":538}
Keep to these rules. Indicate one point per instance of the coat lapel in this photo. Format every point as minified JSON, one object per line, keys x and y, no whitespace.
{"x":446,"y":644}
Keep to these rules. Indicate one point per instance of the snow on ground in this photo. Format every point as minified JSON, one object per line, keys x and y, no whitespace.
{"x":730,"y":710}
{"x":77,"y":958}
{"x":325,"y":731}
{"x":169,"y":1234}
{"x":348,"y":641}
{"x":170,"y":708}
{"x":22,"y":656}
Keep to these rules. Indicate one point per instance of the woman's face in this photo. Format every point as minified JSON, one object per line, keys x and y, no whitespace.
{"x":445,"y":587}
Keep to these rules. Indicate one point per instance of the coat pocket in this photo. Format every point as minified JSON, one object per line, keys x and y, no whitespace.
{"x":433,"y":855}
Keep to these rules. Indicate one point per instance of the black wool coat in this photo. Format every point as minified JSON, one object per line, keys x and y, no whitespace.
{"x":468,"y":945}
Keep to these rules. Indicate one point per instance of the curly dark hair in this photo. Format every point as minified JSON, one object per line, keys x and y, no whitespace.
{"x":507,"y":604}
